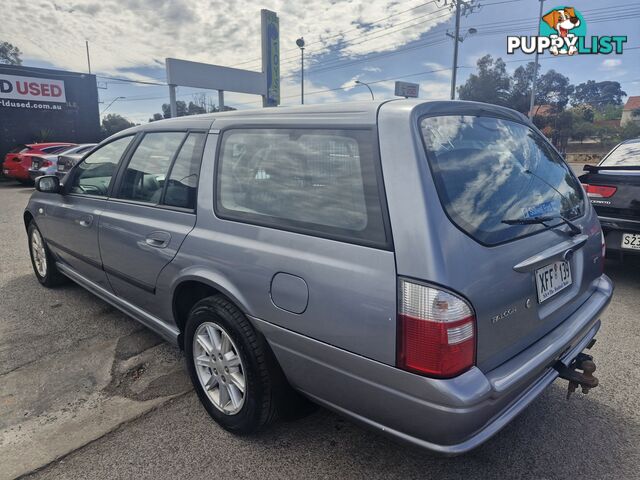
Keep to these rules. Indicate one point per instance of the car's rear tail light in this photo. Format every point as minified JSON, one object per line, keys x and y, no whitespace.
{"x":599,"y":191}
{"x":436,"y":331}
{"x":46,"y":163}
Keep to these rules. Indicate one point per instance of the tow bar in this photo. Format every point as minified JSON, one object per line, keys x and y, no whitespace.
{"x":584,"y":379}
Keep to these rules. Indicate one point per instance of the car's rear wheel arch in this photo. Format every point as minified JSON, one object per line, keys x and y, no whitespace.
{"x":187,"y":294}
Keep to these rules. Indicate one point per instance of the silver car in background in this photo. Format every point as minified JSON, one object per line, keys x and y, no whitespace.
{"x":48,"y":164}
{"x":66,"y":161}
{"x":424,"y":268}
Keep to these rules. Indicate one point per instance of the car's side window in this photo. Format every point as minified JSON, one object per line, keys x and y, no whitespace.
{"x":93,"y":175}
{"x":315,"y":181}
{"x":145,"y":175}
{"x":182,"y":185}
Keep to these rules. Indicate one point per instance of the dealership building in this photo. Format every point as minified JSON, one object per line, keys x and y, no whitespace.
{"x":43,"y":105}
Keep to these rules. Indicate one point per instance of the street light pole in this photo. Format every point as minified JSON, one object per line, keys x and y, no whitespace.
{"x":112,"y":102}
{"x":366,"y":85}
{"x":532,"y":100}
{"x":300,"y":44}
{"x":86,"y":42}
{"x":455,"y":51}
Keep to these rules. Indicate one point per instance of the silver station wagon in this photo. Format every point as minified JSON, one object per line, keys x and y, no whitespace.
{"x":425,"y":269}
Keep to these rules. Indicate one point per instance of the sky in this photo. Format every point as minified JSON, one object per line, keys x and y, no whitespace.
{"x":376,"y":41}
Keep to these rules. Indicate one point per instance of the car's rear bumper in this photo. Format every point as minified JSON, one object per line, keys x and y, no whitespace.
{"x":33,"y":174}
{"x":613,"y":229}
{"x":449,"y":416}
{"x":15,"y":171}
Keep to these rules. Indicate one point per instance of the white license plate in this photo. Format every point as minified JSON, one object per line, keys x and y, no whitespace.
{"x":60,"y":167}
{"x":631,"y":241}
{"x":551,"y":279}
{"x":34,"y":166}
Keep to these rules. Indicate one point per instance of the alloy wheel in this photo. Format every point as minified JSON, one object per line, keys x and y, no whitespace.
{"x":219,"y":368}
{"x":39,"y":253}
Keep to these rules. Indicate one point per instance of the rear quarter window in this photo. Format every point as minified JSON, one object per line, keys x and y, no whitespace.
{"x":314,"y":181}
{"x":488,"y":170}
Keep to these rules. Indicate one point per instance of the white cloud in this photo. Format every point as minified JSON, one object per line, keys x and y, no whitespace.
{"x":611,"y":63}
{"x":350,"y":84}
{"x":442,"y":71}
{"x":126,"y":34}
{"x":372,"y":69}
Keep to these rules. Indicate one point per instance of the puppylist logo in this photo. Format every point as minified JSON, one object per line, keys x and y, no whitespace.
{"x":563,"y":31}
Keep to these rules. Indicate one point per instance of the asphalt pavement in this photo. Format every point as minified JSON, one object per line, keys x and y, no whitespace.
{"x":86,"y":392}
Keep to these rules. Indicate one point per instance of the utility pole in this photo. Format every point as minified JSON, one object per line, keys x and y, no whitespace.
{"x":462,"y":8}
{"x":300,"y":44}
{"x":86,"y":42}
{"x":532,"y":101}
{"x":456,"y":40}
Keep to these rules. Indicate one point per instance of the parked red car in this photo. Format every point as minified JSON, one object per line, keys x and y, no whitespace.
{"x":18,"y":161}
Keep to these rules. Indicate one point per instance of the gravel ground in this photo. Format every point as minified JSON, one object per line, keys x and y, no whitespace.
{"x":167,"y":434}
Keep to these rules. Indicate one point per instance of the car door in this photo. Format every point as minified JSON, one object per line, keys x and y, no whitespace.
{"x":72,"y":218}
{"x":150,"y":212}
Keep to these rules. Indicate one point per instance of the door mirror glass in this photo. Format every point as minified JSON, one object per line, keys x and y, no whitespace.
{"x":48,"y":184}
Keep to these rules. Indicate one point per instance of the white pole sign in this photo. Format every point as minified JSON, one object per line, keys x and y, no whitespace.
{"x":406,"y":89}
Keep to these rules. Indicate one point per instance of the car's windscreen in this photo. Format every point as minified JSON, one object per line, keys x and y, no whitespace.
{"x":489,"y":170}
{"x":624,"y":155}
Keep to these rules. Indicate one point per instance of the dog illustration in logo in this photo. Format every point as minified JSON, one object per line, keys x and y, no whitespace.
{"x":562,"y":21}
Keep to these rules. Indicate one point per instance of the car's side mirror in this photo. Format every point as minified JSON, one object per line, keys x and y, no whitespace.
{"x":48,"y":184}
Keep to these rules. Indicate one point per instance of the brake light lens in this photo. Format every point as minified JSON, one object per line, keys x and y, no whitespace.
{"x":436,"y":331}
{"x":599,"y":191}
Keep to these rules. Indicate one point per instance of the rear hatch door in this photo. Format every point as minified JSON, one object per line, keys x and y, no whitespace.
{"x":503,"y":190}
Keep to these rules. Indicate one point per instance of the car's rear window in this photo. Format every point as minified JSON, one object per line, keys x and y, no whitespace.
{"x":624,"y":155}
{"x":489,"y":170}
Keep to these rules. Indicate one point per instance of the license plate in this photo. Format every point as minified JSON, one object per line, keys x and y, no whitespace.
{"x":34,"y":166}
{"x":60,"y":167}
{"x":551,"y":279}
{"x":631,"y":241}
{"x":6,"y":172}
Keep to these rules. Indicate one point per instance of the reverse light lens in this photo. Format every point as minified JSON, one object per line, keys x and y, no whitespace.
{"x":436,"y":331}
{"x":599,"y":191}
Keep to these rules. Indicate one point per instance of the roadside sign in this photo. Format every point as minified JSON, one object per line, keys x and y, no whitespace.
{"x":406,"y":89}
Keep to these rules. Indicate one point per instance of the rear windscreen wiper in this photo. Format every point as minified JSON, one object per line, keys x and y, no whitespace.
{"x":575,"y":229}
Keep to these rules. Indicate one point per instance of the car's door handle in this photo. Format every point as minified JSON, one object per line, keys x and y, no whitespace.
{"x":85,"y":221}
{"x":158,"y":239}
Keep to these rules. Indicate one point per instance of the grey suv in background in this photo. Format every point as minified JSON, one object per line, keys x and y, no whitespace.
{"x":426,"y":269}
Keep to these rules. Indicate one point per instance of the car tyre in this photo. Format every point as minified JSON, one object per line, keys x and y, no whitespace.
{"x":254,"y":367}
{"x":43,"y":263}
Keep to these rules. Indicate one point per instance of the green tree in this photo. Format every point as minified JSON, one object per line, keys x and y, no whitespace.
{"x":582,"y":130}
{"x":554,"y":89}
{"x":520,"y":93}
{"x":608,"y":112}
{"x":156,"y":117}
{"x":113,"y":123}
{"x":10,"y":54}
{"x":583,"y":113}
{"x":193,"y":109}
{"x":599,"y":94}
{"x":181,"y":109}
{"x":491,"y":84}
{"x":629,"y":131}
